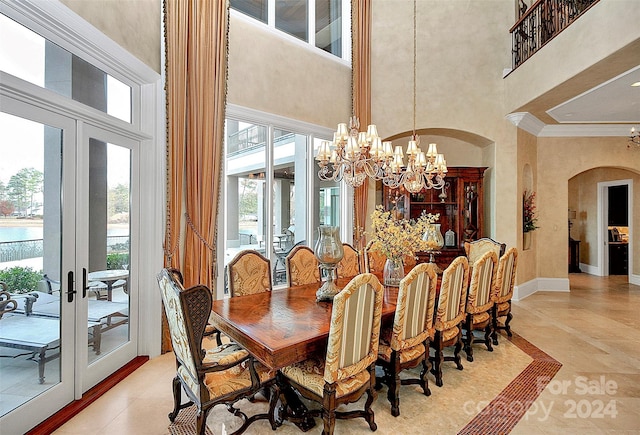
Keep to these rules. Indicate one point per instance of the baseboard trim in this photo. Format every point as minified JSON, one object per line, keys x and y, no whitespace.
{"x":73,"y":408}
{"x":540,"y":284}
{"x":591,"y":270}
{"x":634,"y":279}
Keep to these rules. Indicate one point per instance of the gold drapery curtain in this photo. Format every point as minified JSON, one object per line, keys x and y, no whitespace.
{"x":196,"y":57}
{"x":361,"y":94}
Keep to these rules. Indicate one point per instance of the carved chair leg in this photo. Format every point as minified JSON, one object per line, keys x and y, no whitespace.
{"x":370,"y":416}
{"x":201,"y":422}
{"x":424,"y":381}
{"x":329,"y":419}
{"x":456,"y":353}
{"x":177,"y":398}
{"x":394,"y":385}
{"x":487,"y":338}
{"x":494,"y":321}
{"x":437,"y":362}
{"x":506,"y":323}
{"x":468,"y":339}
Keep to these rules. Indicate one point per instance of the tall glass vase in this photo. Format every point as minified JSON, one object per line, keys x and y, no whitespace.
{"x":329,"y":252}
{"x":393,"y":272}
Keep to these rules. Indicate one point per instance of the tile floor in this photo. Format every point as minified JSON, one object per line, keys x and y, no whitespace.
{"x":593,"y":331}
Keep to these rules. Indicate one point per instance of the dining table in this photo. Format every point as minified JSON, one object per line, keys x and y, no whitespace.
{"x":285,"y":326}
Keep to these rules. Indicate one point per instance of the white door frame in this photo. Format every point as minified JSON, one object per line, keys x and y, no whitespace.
{"x":602,"y":224}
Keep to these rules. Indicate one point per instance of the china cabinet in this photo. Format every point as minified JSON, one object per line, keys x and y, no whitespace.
{"x":460,"y":205}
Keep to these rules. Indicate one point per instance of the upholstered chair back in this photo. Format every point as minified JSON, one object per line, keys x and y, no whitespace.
{"x":506,"y":276}
{"x":249,"y":273}
{"x":415,"y":307}
{"x":482,"y":283}
{"x":186,"y":330}
{"x":374,"y":260}
{"x":453,"y":295}
{"x":302,"y":266}
{"x":355,"y":328}
{"x":350,"y":264}
{"x":475,"y":249}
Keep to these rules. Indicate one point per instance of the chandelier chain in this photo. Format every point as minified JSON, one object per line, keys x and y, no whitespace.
{"x":415,"y":9}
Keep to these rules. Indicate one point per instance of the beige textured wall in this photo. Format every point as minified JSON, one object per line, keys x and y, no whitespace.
{"x":459,"y":88}
{"x":558,"y":160}
{"x":135,"y":25}
{"x":583,"y":197}
{"x":270,"y":73}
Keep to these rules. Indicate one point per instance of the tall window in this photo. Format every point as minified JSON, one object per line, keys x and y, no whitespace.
{"x":318,"y":22}
{"x":273,"y":197}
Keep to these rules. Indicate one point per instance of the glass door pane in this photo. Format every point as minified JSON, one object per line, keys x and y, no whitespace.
{"x":36,"y":331}
{"x":245,"y":162}
{"x":107,"y":216}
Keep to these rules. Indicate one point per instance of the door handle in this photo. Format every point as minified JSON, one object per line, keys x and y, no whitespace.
{"x":70,"y":289}
{"x":84,"y":282}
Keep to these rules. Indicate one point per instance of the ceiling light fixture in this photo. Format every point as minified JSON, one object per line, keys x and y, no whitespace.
{"x":354,"y":155}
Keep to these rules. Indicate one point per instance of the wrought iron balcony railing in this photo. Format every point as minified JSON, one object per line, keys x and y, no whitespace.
{"x":542,"y":22}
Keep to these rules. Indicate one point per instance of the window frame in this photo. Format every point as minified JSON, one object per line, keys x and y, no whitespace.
{"x":311,"y":131}
{"x":311,"y":31}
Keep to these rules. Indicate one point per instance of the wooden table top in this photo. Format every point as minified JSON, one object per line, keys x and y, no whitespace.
{"x":283,"y":326}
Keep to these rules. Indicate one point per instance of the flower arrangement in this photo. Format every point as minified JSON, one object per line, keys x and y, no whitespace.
{"x":397,"y":238}
{"x":529,"y":218}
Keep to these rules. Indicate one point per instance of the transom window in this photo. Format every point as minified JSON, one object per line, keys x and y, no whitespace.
{"x":318,"y":22}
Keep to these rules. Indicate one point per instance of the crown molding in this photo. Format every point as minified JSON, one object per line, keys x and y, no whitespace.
{"x":533,"y":125}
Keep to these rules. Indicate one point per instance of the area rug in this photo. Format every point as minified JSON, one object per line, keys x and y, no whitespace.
{"x":185,"y":423}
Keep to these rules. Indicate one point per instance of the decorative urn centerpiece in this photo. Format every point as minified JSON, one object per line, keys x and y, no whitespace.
{"x":329,"y":252}
{"x":397,"y":239}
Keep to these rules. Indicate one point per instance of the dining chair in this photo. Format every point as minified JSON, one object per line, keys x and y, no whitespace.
{"x":302,"y":266}
{"x":249,"y":273}
{"x":373,"y":259}
{"x":347,"y":371}
{"x":479,"y":303}
{"x":222,"y":375}
{"x":505,"y":280}
{"x":449,"y":315}
{"x":209,"y":329}
{"x":476,"y":248}
{"x":406,"y":344}
{"x":350,"y":264}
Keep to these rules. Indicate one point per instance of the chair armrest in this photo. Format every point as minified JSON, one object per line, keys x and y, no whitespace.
{"x":223,"y":357}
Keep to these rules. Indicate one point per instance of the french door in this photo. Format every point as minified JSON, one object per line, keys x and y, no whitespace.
{"x":79,"y":212}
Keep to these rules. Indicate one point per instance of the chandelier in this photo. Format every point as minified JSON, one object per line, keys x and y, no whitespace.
{"x":634,"y":139}
{"x":354,"y":155}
